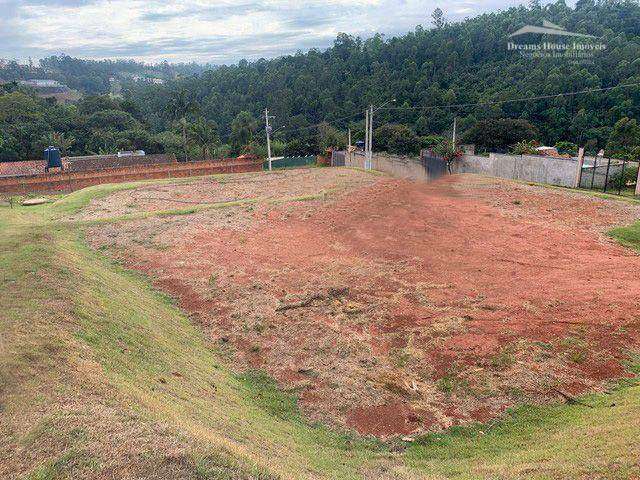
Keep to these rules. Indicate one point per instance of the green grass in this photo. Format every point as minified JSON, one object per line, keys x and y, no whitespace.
{"x":64,"y":466}
{"x":628,"y":236}
{"x":75,"y":201}
{"x":627,"y":196}
{"x":95,"y":356}
{"x":566,"y":441}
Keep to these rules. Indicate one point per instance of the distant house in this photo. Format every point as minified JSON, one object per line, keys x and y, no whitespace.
{"x":547,"y":151}
{"x":46,"y":88}
{"x":42,"y":83}
{"x":143,"y":78}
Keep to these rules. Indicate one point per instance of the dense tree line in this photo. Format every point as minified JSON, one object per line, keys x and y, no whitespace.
{"x":316,"y":96}
{"x":93,"y":77}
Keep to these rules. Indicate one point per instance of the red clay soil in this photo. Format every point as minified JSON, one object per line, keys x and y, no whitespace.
{"x":403,"y":307}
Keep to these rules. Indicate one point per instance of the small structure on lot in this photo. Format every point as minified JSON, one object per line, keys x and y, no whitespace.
{"x":547,"y":151}
{"x":42,"y":83}
{"x":53,"y":159}
{"x":129,"y":153}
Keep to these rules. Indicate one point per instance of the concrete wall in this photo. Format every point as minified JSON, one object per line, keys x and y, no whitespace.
{"x":530,"y":168}
{"x":70,"y":181}
{"x":402,"y":167}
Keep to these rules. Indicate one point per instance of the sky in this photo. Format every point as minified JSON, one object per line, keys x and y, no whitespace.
{"x":222,"y":31}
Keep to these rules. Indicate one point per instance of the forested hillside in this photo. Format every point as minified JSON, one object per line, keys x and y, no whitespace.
{"x":435,"y":65}
{"x":93,"y":77}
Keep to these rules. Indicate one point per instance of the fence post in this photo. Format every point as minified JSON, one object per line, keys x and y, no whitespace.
{"x":578,"y":179}
{"x":606,"y":178}
{"x":622,"y":182}
{"x":638,"y":182}
{"x":593,"y":174}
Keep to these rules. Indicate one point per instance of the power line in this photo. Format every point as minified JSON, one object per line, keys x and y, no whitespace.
{"x":476,"y":104}
{"x":513,"y":100}
{"x":321,"y":123}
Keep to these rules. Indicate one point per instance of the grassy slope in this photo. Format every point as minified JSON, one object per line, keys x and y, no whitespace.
{"x":102,"y":377}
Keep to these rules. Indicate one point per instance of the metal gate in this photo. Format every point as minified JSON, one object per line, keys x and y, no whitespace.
{"x":338,"y":159}
{"x":610,"y":175}
{"x":434,"y":165}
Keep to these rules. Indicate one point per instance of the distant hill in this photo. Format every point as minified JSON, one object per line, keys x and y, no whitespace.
{"x":96,"y":76}
{"x":465,"y":62}
{"x":465,"y":71}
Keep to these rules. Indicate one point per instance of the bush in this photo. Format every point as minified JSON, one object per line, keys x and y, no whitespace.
{"x":567,"y":148}
{"x":431,"y":141}
{"x":524,"y":147}
{"x":621,"y":180}
{"x":397,"y":139}
{"x":448,"y":152}
{"x":499,"y":134}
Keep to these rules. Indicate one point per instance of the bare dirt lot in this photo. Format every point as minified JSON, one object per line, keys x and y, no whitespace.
{"x":283,"y":185}
{"x":394,"y":307}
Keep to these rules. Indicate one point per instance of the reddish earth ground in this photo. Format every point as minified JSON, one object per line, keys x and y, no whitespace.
{"x":394,"y":307}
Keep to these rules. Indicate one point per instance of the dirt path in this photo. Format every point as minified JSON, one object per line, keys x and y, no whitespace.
{"x":395,"y":307}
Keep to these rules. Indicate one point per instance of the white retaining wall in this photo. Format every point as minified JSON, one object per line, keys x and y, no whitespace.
{"x":395,"y":165}
{"x":530,"y":168}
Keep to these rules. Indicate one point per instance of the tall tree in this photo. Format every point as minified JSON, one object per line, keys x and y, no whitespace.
{"x":60,"y":140}
{"x":437,"y":18}
{"x":243,"y":128}
{"x":204,"y":134}
{"x":181,"y":105}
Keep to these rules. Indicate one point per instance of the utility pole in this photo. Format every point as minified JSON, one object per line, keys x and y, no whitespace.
{"x":366,"y":137}
{"x":369,"y":142}
{"x":268,"y":129}
{"x":454,"y":133}
{"x":370,"y":138}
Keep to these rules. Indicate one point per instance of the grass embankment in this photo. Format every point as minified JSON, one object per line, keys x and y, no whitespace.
{"x":103,"y":377}
{"x":628,"y":236}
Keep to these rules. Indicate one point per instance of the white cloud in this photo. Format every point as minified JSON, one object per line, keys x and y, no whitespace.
{"x":221,"y":31}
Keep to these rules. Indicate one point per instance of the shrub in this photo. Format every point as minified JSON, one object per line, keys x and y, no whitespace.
{"x":621,"y":180}
{"x":567,"y":148}
{"x":524,"y":147}
{"x":431,"y":141}
{"x":499,"y":134}
{"x":448,"y":152}
{"x":396,"y":139}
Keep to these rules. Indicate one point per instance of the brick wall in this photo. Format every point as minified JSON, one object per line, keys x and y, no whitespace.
{"x":70,"y":181}
{"x":97,"y":162}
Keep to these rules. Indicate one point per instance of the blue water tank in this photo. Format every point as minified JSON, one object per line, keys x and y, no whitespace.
{"x":52,"y":156}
